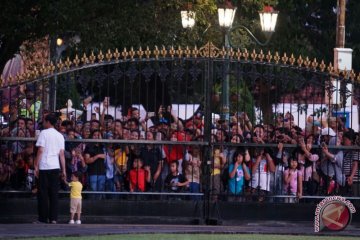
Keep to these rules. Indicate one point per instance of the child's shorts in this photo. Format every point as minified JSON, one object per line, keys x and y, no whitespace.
{"x":75,"y":205}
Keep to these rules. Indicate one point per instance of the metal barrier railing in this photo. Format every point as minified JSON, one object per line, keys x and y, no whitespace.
{"x":270,"y":185}
{"x":177,"y":102}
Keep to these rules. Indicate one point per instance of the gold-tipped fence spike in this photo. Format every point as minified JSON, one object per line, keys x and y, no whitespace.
{"x":231,"y":53}
{"x":245,"y":54}
{"x":36,"y":72}
{"x":172,"y":52}
{"x":344,"y":72}
{"x":18,"y":77}
{"x":60,"y":65}
{"x":140,"y":52}
{"x":68,"y":63}
{"x":100,"y":56}
{"x":51,"y":67}
{"x":23,"y":75}
{"x":352,"y":75}
{"x":92,"y":57}
{"x":261,"y":55}
{"x":253,"y":55}
{"x":314,"y":64}
{"x":300,"y":61}
{"x":156,"y":52}
{"x":330,"y":68}
{"x":132,"y":53}
{"x":163,"y":51}
{"x":292,"y":59}
{"x":238,"y":54}
{"x":42,"y":70}
{"x":307,"y":62}
{"x":84,"y":59}
{"x":268,"y":56}
{"x":116,"y":55}
{"x":124,"y":53}
{"x":277,"y":57}
{"x":147,"y":52}
{"x":195,"y":52}
{"x":179,"y":52}
{"x":32,"y":74}
{"x":284,"y":59}
{"x":223,"y":52}
{"x":46,"y":71}
{"x":76,"y":60}
{"x":108,"y":55}
{"x":187,"y":52}
{"x":10,"y":79}
{"x":322,"y":66}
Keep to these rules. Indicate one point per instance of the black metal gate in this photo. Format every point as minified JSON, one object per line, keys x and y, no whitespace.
{"x":207,"y":104}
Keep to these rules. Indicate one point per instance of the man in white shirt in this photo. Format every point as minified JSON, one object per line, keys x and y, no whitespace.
{"x":51,"y":145}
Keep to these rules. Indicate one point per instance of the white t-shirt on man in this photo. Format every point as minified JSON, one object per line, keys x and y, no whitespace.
{"x":52,"y":141}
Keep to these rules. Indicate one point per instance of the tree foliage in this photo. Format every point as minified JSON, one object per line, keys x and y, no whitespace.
{"x":304,"y":27}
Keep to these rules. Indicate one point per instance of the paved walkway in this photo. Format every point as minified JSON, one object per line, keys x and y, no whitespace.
{"x":13,"y":231}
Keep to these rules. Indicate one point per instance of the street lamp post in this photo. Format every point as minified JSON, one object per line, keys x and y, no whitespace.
{"x":226,"y":15}
{"x":57,"y":46}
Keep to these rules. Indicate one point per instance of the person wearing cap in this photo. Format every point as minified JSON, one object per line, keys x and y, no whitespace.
{"x":332,"y":161}
{"x":351,"y":166}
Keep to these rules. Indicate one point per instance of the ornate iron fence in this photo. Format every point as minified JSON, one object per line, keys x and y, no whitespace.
{"x":167,"y":105}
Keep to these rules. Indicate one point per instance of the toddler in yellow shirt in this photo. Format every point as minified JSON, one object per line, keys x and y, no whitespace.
{"x":75,"y":197}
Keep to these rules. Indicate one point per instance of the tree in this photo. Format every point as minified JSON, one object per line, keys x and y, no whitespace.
{"x":304,"y":27}
{"x":101,"y":24}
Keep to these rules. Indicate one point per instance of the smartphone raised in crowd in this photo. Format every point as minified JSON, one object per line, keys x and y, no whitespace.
{"x":151,"y":114}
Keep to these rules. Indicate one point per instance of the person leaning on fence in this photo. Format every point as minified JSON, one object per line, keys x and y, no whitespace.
{"x":152,"y":157}
{"x":175,"y":181}
{"x":238,"y":173}
{"x":293,"y":180}
{"x":219,"y":161}
{"x":193,"y":161}
{"x":308,"y":158}
{"x":51,"y":147}
{"x":351,"y":166}
{"x":138,"y":176}
{"x":75,"y":197}
{"x":95,"y":158}
{"x":263,"y":165}
{"x":331,"y":162}
{"x":281,"y":160}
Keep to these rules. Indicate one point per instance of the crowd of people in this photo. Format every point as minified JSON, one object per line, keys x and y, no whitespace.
{"x":313,"y":164}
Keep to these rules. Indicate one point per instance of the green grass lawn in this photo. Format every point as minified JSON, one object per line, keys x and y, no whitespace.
{"x":199,"y":237}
